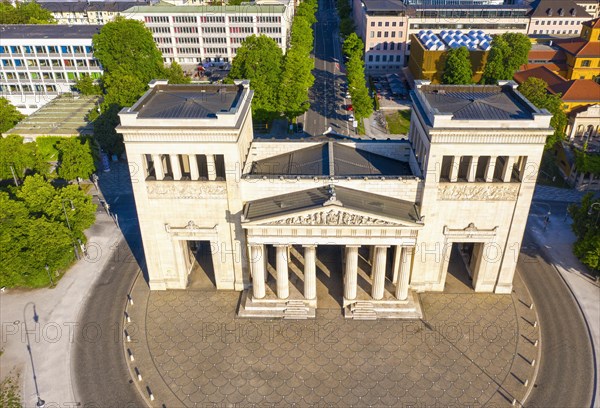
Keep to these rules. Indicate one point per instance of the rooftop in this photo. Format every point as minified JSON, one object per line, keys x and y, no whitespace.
{"x":246,"y":8}
{"x":327,"y":197}
{"x":384,"y":5}
{"x":558,"y":9}
{"x":330,"y":159}
{"x":576,"y":90}
{"x":63,"y":116}
{"x":595,"y":23}
{"x":187,"y":101}
{"x":476,"y":102}
{"x":53,"y":31}
{"x":580,"y":47}
{"x":82,"y":6}
{"x":541,"y":72}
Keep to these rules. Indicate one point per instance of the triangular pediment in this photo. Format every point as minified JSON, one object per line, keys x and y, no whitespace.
{"x":332,"y":216}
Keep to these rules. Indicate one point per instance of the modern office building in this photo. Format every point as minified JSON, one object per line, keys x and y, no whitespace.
{"x":39,"y":62}
{"x":199,"y":34}
{"x":368,"y":223}
{"x":87,"y":12}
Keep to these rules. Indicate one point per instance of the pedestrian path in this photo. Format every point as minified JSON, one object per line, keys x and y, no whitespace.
{"x":547,"y":193}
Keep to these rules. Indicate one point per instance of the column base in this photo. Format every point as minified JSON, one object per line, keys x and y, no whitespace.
{"x":270,"y":307}
{"x":384,"y":309}
{"x":501,"y":288}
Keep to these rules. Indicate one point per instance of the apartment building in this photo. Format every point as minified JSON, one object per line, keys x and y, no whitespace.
{"x":39,"y":62}
{"x":88,"y":12}
{"x":591,"y":7}
{"x":382,"y":23}
{"x":557,"y":19}
{"x":200,"y":34}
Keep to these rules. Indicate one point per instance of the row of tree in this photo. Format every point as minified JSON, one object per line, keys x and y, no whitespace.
{"x":362,"y":103}
{"x":18,"y":159}
{"x":344,"y":10}
{"x":24,"y":13}
{"x":39,"y":226}
{"x":130,"y":60}
{"x":280,"y":83}
{"x":586,"y":226}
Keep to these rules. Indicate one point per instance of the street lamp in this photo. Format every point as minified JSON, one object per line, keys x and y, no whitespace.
{"x":591,"y":208}
{"x":40,"y":402}
{"x":69,"y":224}
{"x":49,"y":276}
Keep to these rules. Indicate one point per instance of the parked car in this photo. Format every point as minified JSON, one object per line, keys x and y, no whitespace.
{"x":351,"y":118}
{"x":349,"y":107}
{"x":348,"y":96}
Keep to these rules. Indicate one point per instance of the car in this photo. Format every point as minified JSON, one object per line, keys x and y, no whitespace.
{"x":351,"y":118}
{"x":347,"y":95}
{"x":349,"y":108}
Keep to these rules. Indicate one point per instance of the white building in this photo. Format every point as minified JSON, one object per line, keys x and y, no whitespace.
{"x":558,"y":19}
{"x":197,"y":34}
{"x":87,"y":12}
{"x":369,"y":223}
{"x":39,"y":62}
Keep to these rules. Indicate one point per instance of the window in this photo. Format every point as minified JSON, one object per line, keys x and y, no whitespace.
{"x":372,"y":34}
{"x":377,"y":58}
{"x":398,"y":58}
{"x":393,"y":34}
{"x":378,"y":34}
{"x":379,"y":24}
{"x":370,"y":58}
{"x":40,"y":49}
{"x":392,"y":46}
{"x":393,"y":24}
{"x":535,"y":31}
{"x":543,"y":22}
{"x":387,"y":23}
{"x":401,"y":24}
{"x":586,"y":63}
{"x":372,"y":23}
{"x":384,"y":58}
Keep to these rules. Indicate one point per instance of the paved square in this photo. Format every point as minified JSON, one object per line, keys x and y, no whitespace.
{"x":208,"y":356}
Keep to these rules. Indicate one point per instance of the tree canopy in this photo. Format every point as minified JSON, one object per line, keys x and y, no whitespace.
{"x":87,"y":86}
{"x":16,"y":156}
{"x":353,"y":45}
{"x":76,"y":158}
{"x":259,"y":59}
{"x":296,"y":80}
{"x":34,"y":231}
{"x":24,"y":13}
{"x":509,"y":51}
{"x":458,"y":70}
{"x":361,"y":101}
{"x":9,"y":115}
{"x":586,"y":226}
{"x":535,"y":90}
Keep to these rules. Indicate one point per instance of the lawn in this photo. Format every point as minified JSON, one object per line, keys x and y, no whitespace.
{"x":398,"y":122}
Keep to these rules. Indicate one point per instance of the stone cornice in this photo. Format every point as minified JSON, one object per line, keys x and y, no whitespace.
{"x":510,"y":136}
{"x":182,"y":135}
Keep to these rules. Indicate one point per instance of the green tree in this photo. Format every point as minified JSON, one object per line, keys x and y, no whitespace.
{"x":105,"y":133}
{"x":296,"y":80}
{"x":86,"y":86}
{"x":306,"y":10}
{"x":259,"y":59}
{"x":347,"y":26}
{"x":361,"y":101}
{"x":122,"y":88}
{"x":535,"y":90}
{"x":127,"y":46}
{"x":353,"y":45}
{"x":175,"y":75}
{"x":81,"y":215}
{"x":15,"y":156}
{"x":76,"y":158}
{"x":587,"y":230}
{"x":9,"y":115}
{"x":458,"y":70}
{"x":302,"y":35}
{"x":509,"y":51}
{"x":24,"y":13}
{"x":36,"y":193}
{"x":10,"y":393}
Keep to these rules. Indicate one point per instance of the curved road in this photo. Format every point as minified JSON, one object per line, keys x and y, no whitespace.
{"x":566,"y":373}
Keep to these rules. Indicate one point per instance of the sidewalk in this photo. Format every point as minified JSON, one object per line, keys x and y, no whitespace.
{"x":547,"y":193}
{"x":556,"y":244}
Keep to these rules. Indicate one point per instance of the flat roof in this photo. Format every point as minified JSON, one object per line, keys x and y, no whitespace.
{"x":384,"y":5}
{"x":246,"y":8}
{"x":81,"y":6}
{"x":54,"y":31}
{"x":188,"y":101}
{"x":63,"y":116}
{"x":330,"y":159}
{"x":477,"y":102}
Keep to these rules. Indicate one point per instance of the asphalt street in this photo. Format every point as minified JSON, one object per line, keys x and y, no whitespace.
{"x":326,"y":95}
{"x":566,"y":372}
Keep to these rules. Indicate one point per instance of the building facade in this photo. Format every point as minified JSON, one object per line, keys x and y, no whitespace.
{"x":557,"y":19}
{"x":583,"y":53}
{"x":379,"y":220}
{"x":200,"y":34}
{"x":39,"y":62}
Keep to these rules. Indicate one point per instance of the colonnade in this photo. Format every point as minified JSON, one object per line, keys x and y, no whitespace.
{"x":401,"y":271}
{"x":175,"y":165}
{"x":473,"y":163}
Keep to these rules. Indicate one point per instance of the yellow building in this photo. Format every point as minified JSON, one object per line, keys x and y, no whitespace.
{"x":429,"y":64}
{"x":583,"y":54}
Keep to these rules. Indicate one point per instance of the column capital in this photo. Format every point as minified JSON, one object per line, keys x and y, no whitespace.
{"x":381,"y":246}
{"x":309,"y":245}
{"x":281,"y":245}
{"x":353,"y":246}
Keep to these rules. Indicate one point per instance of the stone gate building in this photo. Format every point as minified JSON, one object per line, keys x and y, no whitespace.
{"x":378,"y":219}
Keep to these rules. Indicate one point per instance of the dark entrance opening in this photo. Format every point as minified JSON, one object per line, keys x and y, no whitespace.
{"x":461,"y":267}
{"x":330,"y":276}
{"x":198,"y":258}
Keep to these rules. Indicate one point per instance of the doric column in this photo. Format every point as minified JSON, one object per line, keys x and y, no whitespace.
{"x":379,"y":273}
{"x":210,"y":165}
{"x":175,"y":166}
{"x":310,"y":271}
{"x":351,"y":272}
{"x":194,"y":172}
{"x":396,"y":264}
{"x":454,"y":168}
{"x":283,"y":284}
{"x":507,"y":170}
{"x":257,"y":263}
{"x":158,"y":168}
{"x":472,"y":171}
{"x":489,"y":169}
{"x":404,"y":276}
